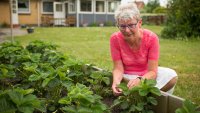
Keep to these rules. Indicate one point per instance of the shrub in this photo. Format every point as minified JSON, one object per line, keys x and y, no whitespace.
{"x":182,"y":20}
{"x":160,"y":10}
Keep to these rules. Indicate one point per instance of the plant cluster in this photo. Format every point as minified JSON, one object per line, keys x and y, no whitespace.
{"x":182,"y":20}
{"x":188,"y":107}
{"x":138,"y":99}
{"x":38,"y":78}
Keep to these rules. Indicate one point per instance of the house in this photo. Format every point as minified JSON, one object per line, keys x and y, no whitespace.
{"x":58,"y":12}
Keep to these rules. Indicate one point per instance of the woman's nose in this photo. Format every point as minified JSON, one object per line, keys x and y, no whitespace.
{"x":127,"y":29}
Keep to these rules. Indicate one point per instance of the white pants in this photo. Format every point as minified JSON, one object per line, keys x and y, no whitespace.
{"x":164,"y":75}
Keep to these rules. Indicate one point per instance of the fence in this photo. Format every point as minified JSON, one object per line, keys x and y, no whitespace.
{"x":156,"y":19}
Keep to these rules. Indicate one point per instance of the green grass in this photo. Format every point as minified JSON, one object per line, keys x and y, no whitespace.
{"x":91,"y":45}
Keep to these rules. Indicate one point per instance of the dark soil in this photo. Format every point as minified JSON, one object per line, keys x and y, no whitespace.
{"x":109,"y":101}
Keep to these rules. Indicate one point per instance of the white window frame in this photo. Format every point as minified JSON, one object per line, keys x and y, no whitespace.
{"x":69,"y":5}
{"x":108,"y":7}
{"x":42,"y":7}
{"x":25,"y":12}
{"x":87,"y":12}
{"x":104,"y":7}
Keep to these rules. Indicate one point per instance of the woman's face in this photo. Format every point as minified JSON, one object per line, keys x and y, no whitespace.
{"x":129,"y":27}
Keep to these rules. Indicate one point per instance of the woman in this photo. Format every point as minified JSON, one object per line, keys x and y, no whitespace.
{"x":135,"y":52}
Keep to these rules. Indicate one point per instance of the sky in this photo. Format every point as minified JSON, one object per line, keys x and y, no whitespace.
{"x":162,"y":2}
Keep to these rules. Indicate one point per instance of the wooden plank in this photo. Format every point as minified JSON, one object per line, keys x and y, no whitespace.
{"x":162,"y":103}
{"x":174,"y":103}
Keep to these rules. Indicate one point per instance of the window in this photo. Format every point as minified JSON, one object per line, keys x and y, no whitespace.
{"x":47,"y":7}
{"x":86,"y":5}
{"x":59,"y":8}
{"x":112,"y":6}
{"x":24,"y":6}
{"x":100,"y":6}
{"x":72,"y":6}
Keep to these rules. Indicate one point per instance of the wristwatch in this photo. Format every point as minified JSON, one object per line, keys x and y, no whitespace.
{"x":140,"y":78}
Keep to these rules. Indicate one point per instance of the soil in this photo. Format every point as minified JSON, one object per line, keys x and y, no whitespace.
{"x":109,"y":101}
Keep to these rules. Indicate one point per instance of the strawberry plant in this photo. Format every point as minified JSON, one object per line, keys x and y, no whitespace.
{"x":138,"y":99}
{"x":20,"y":100}
{"x":188,"y":107}
{"x":81,"y":100}
{"x":50,"y":73}
{"x":100,"y":83}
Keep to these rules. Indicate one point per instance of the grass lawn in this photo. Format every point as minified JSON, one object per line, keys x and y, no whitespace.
{"x":91,"y":45}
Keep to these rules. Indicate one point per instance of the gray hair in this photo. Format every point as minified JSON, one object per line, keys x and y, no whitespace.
{"x":127,"y":11}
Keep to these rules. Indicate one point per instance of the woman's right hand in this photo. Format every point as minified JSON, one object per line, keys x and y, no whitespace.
{"x":116,"y":90}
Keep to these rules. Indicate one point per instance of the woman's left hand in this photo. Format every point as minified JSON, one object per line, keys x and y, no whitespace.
{"x":133,"y":82}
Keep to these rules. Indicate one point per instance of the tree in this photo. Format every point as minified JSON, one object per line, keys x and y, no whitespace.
{"x":151,"y":5}
{"x":182,"y":19}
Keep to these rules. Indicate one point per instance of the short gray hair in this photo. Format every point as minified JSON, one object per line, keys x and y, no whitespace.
{"x":127,"y":11}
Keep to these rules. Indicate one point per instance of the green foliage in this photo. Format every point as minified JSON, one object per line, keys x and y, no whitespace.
{"x":182,"y":20}
{"x":188,"y":107}
{"x":160,"y":9}
{"x":40,"y":47}
{"x":20,"y":100}
{"x":81,"y":100}
{"x":151,"y":5}
{"x":109,"y":23}
{"x":94,"y":24}
{"x":139,"y":98}
{"x":50,"y":73}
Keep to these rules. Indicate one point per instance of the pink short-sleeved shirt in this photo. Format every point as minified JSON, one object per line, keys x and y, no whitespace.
{"x":135,"y":62}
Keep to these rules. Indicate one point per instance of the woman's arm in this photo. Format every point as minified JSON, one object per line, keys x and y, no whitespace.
{"x":152,"y":70}
{"x":151,"y":74}
{"x":118,"y":71}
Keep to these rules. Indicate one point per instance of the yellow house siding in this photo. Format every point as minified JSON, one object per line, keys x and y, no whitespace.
{"x":4,"y":12}
{"x":32,"y":17}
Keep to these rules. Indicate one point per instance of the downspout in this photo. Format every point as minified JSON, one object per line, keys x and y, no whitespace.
{"x":77,"y":13}
{"x":106,"y":11}
{"x":38,"y":12}
{"x":94,"y":11}
{"x":11,"y":20}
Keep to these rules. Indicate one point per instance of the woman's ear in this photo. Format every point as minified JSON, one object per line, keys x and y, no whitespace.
{"x":140,"y":23}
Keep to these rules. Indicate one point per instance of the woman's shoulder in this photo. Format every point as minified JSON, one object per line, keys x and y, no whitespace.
{"x":149,"y":35}
{"x":116,"y":35}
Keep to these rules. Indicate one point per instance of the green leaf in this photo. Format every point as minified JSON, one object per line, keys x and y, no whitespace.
{"x":139,"y":106}
{"x":143,"y":92}
{"x":24,"y":92}
{"x":132,"y":108}
{"x":123,"y":86}
{"x":69,"y":109}
{"x":30,"y":67}
{"x":34,"y":77}
{"x":65,"y":100}
{"x":152,"y":100}
{"x":26,"y":109}
{"x":116,"y":102}
{"x":4,"y":71}
{"x":124,"y":105}
{"x":42,"y":106}
{"x":54,"y":82}
{"x":180,"y":111}
{"x":188,"y":107}
{"x":155,"y":91}
{"x":45,"y":82}
{"x":6,"y":106}
{"x":151,"y":82}
{"x":106,"y":80}
{"x":67,"y":84}
{"x":84,"y":110}
{"x":31,"y":100}
{"x":16,"y":97}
